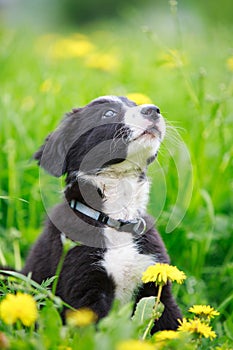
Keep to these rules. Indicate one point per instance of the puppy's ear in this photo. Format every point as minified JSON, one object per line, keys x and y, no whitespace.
{"x":37,"y":155}
{"x":51,"y":155}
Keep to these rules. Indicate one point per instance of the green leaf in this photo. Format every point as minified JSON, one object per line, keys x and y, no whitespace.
{"x":50,"y":325}
{"x":146,"y":314}
{"x":28,"y":280}
{"x":144,"y":311}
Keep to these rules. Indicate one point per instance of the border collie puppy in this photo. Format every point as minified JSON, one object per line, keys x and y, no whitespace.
{"x":104,"y":150}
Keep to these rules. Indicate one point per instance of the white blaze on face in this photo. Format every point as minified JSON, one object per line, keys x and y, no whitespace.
{"x":139,"y":123}
{"x":146,"y":134}
{"x":136,"y":121}
{"x":108,"y":98}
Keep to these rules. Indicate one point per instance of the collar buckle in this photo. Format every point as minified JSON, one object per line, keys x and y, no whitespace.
{"x":140,"y":227}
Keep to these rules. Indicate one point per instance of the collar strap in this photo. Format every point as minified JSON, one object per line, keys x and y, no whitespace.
{"x":137,"y":226}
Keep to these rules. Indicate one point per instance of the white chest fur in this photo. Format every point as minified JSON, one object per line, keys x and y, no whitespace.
{"x":125,"y":197}
{"x":125,"y":265}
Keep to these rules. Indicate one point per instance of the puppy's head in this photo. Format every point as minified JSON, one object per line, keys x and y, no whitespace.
{"x":109,"y":130}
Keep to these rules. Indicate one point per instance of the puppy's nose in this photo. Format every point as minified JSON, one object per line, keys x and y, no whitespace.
{"x":151,"y":111}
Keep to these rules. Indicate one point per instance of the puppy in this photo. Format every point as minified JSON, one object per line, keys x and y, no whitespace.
{"x":104,"y":150}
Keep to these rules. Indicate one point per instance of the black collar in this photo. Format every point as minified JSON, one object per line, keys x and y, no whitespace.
{"x":137,"y":226}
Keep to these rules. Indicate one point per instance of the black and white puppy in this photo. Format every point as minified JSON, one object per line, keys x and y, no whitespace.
{"x":104,"y":149}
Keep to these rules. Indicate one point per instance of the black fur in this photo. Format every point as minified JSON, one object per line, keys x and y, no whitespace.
{"x":84,"y":135}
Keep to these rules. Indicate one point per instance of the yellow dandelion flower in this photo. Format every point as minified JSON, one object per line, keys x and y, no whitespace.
{"x":18,"y":307}
{"x":166,"y":335}
{"x":8,"y":311}
{"x":65,"y":48}
{"x":139,"y":98}
{"x":81,"y":318}
{"x":134,"y":345}
{"x":46,"y":85}
{"x":103,"y":61}
{"x":28,"y":103}
{"x":197,"y":327}
{"x":78,"y":36}
{"x":162,"y":273}
{"x":204,"y":311}
{"x":230,"y":63}
{"x":27,"y":310}
{"x":50,"y":86}
{"x":173,"y":59}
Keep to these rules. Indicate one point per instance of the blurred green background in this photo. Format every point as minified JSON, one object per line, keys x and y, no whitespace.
{"x":60,"y":54}
{"x":78,"y":12}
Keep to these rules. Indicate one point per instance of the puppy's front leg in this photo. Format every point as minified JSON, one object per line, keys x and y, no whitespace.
{"x":83,"y":283}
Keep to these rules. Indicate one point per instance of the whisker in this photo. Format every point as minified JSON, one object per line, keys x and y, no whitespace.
{"x":119,"y":136}
{"x":173,"y":133}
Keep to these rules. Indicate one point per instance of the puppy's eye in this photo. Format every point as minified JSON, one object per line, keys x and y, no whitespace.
{"x":109,"y":114}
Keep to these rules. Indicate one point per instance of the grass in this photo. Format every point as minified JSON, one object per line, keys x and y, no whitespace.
{"x":189,"y":75}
